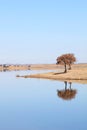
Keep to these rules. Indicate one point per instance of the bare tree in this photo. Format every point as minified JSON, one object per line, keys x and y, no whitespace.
{"x":66,"y":59}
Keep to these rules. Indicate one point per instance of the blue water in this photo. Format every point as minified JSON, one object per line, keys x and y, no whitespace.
{"x":34,"y":104}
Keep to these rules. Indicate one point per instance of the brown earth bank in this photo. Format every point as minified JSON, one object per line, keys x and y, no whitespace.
{"x":78,"y":73}
{"x":13,"y":67}
{"x":38,"y":67}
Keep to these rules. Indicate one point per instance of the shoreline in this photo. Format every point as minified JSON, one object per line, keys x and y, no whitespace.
{"x":78,"y":74}
{"x":50,"y":76}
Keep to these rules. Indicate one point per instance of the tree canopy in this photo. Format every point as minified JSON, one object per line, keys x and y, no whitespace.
{"x":66,"y":59}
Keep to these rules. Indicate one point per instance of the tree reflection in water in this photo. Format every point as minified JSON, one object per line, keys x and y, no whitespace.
{"x":67,"y":93}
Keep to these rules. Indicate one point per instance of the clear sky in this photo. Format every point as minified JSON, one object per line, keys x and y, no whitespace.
{"x":37,"y":31}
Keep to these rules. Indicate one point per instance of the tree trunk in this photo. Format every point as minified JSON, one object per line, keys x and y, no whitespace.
{"x":65,"y":68}
{"x":65,"y":85}
{"x":70,"y":85}
{"x":69,"y":66}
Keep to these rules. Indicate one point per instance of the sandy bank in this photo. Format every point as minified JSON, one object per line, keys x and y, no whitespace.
{"x":77,"y":74}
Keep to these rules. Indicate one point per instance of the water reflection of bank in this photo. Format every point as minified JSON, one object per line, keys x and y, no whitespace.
{"x":67,"y":93}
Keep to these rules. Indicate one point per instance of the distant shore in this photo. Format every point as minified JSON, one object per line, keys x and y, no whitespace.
{"x":77,"y":74}
{"x":13,"y":67}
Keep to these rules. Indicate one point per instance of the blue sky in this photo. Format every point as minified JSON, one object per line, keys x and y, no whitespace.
{"x":35,"y":31}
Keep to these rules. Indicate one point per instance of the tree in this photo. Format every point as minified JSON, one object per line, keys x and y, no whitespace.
{"x":71,"y":59}
{"x":66,"y":59}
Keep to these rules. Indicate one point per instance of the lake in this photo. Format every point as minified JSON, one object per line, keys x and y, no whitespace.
{"x":39,"y":104}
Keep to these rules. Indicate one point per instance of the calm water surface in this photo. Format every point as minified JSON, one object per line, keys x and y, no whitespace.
{"x":36,"y":104}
